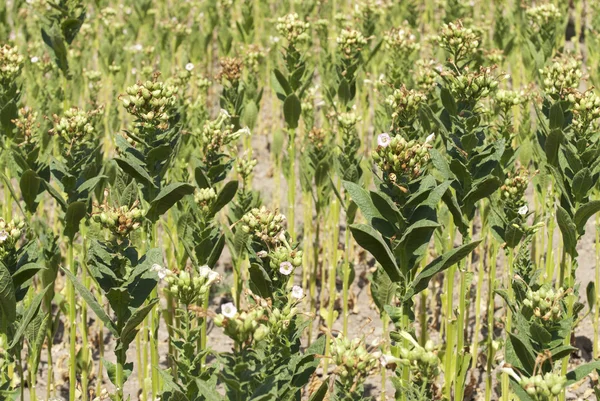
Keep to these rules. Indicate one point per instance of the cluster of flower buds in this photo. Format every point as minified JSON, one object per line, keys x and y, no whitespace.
{"x":318,"y":138}
{"x":10,"y":233}
{"x":122,"y":220}
{"x":513,"y":189}
{"x":425,"y":76}
{"x":231,"y":69}
{"x":175,"y":27}
{"x":351,"y":42}
{"x":189,"y":288}
{"x":401,"y":161}
{"x":545,"y":303}
{"x":150,"y":102}
{"x":354,"y":363}
{"x":11,"y":63}
{"x":244,"y":167}
{"x":401,"y":41}
{"x":544,"y":388}
{"x":459,"y":41}
{"x":564,"y":72}
{"x":204,"y":198}
{"x":253,"y":56}
{"x":405,"y":104}
{"x":472,"y":86}
{"x":586,"y":109}
{"x":494,"y":57}
{"x":27,"y":125}
{"x":366,"y":10}
{"x":243,"y":327}
{"x":181,"y":77}
{"x":279,"y":320}
{"x":422,"y":361}
{"x":543,"y":16}
{"x":75,"y":125}
{"x":285,"y":260}
{"x":293,"y":28}
{"x":94,"y":79}
{"x":217,"y":134}
{"x":348,"y":120}
{"x":264,"y":225}
{"x":506,"y":99}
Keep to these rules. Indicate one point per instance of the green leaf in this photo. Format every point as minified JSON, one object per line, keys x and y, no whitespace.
{"x":382,"y":289}
{"x":582,"y":182}
{"x":280,"y":84}
{"x":421,"y":282}
{"x":29,"y":315}
{"x":556,"y":117}
{"x":344,"y":92}
{"x":91,"y":302}
{"x":24,"y":273}
{"x":111,"y":370}
{"x":225,"y":196}
{"x":292,"y":108}
{"x":448,"y":102}
{"x":364,"y":201}
{"x":321,"y":392}
{"x":130,"y":329}
{"x":553,"y":141}
{"x":582,"y":371}
{"x":567,"y":228}
{"x":520,"y":391}
{"x":583,"y":214}
{"x":30,"y":185}
{"x":539,"y":333}
{"x":75,"y":213}
{"x":260,"y":283}
{"x":135,"y":169}
{"x":167,"y":197}
{"x":481,"y":189}
{"x":249,"y":115}
{"x":590,"y":292}
{"x":372,"y":241}
{"x":520,"y":353}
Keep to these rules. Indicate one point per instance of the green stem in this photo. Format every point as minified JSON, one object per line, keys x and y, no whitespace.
{"x":72,"y":324}
{"x":346,"y":284}
{"x":504,"y":379}
{"x":292,"y":184}
{"x":493,"y":257}
{"x":596,"y":319}
{"x":335,"y":215}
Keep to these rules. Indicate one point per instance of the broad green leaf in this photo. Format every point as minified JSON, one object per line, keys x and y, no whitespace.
{"x":556,"y":117}
{"x":582,"y":182}
{"x":372,"y":241}
{"x":167,"y":197}
{"x":590,"y":292}
{"x":24,"y":273}
{"x":421,"y":282}
{"x":29,"y":315}
{"x":448,"y":102}
{"x":91,"y":301}
{"x":553,"y":141}
{"x":130,"y":329}
{"x":8,"y":301}
{"x":111,"y":370}
{"x":292,"y":108}
{"x":225,"y":196}
{"x":382,"y":289}
{"x":364,"y":201}
{"x":135,"y":169}
{"x":75,"y":213}
{"x":583,"y":214}
{"x":30,"y":185}
{"x":260,"y":282}
{"x":582,"y":371}
{"x":568,"y":230}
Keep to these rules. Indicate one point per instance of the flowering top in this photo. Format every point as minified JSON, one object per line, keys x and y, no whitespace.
{"x":354,"y":363}
{"x":216,"y":134}
{"x":513,"y":190}
{"x":264,"y":225}
{"x":351,"y":42}
{"x":293,"y":28}
{"x":10,"y":233}
{"x":285,"y":260}
{"x":401,"y":161}
{"x":245,"y":326}
{"x":405,"y":104}
{"x":545,"y":304}
{"x":425,"y":76}
{"x":543,"y":15}
{"x":244,"y":167}
{"x":204,"y":198}
{"x":423,"y":361}
{"x":151,"y":102}
{"x":506,"y":99}
{"x":189,"y":288}
{"x":74,"y":127}
{"x":471,"y":86}
{"x":586,"y":109}
{"x":348,"y":120}
{"x":564,"y":72}
{"x":231,"y":69}
{"x":401,"y":40}
{"x":459,"y":41}
{"x":27,"y":126}
{"x":121,"y":221}
{"x":544,"y":388}
{"x":11,"y":63}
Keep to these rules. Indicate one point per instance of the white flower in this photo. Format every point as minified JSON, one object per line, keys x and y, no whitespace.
{"x":138,"y":47}
{"x":225,"y":113}
{"x":506,"y":368}
{"x":383,"y":140}
{"x":35,"y":59}
{"x":386,"y":360}
{"x":262,"y":254}
{"x":430,"y":138}
{"x":297,"y":292}
{"x":204,"y":271}
{"x":286,"y":268}
{"x":228,"y":310}
{"x":133,"y":71}
{"x":189,"y":66}
{"x":523,"y":210}
{"x":161,"y":271}
{"x":212,"y":277}
{"x":3,"y":236}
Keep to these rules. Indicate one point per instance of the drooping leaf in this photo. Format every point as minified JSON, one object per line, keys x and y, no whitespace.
{"x":167,"y":197}
{"x":372,"y":241}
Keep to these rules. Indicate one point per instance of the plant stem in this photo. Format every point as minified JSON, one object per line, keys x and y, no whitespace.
{"x":505,"y":381}
{"x":292,"y":184}
{"x":596,"y":319}
{"x":72,"y":324}
{"x":335,"y":217}
{"x":346,"y":283}
{"x":493,"y":258}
